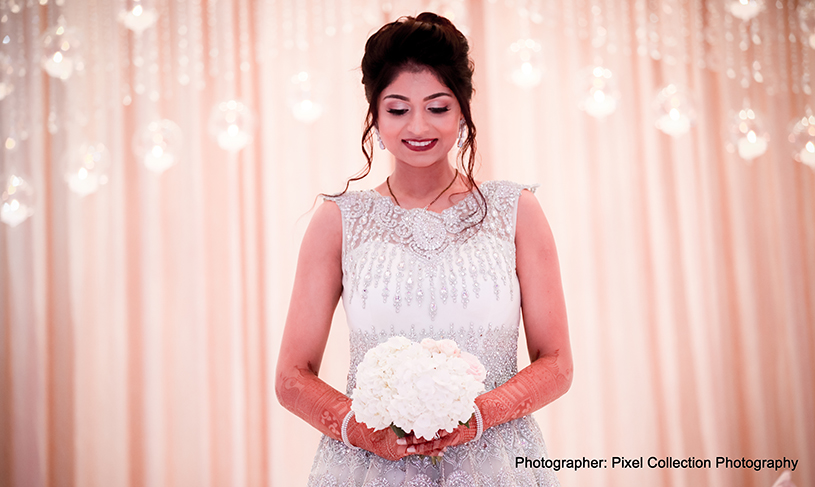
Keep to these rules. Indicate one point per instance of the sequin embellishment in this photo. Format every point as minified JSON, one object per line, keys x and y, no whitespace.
{"x":424,"y":274}
{"x":417,"y":257}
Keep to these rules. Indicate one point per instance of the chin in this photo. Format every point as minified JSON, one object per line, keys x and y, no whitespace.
{"x":426,"y":160}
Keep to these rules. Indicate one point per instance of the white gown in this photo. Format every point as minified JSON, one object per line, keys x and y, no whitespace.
{"x":418,"y":274}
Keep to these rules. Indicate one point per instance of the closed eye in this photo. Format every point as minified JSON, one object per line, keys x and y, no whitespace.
{"x":395,"y":111}
{"x":439,"y":109}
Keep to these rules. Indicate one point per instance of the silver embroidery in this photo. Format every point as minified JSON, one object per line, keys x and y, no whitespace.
{"x":444,"y":256}
{"x":418,"y":262}
{"x":486,"y":463}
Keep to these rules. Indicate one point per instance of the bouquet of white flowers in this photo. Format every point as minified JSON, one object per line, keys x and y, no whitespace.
{"x":420,"y":387}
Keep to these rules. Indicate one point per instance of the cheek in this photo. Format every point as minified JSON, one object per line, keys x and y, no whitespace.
{"x":387,"y":123}
{"x":452,"y":130}
{"x":388,"y":129}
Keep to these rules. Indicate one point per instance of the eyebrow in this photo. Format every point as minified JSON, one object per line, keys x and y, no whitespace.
{"x":427,"y":98}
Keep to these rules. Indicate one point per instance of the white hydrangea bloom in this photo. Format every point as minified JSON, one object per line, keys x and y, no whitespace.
{"x":420,"y":387}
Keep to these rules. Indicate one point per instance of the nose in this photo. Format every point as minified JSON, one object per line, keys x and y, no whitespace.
{"x":417,"y":124}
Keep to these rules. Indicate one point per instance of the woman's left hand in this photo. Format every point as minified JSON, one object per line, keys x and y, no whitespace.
{"x":435,"y":447}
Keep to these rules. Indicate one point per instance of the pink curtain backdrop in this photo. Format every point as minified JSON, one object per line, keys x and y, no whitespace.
{"x":140,"y":324}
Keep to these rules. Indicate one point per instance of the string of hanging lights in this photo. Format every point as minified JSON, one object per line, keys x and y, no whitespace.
{"x":162,"y":48}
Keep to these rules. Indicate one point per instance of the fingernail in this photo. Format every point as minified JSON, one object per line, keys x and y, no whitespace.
{"x":401,"y":441}
{"x":411,"y":449}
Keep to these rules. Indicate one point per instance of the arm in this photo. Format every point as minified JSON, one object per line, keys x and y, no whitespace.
{"x":316,"y":292}
{"x":544,"y":311}
{"x":549,"y":375}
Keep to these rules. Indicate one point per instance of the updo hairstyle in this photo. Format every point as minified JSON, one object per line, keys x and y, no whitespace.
{"x":428,"y":41}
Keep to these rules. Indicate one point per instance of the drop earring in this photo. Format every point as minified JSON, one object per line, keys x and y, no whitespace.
{"x":460,"y":134}
{"x":379,"y":138}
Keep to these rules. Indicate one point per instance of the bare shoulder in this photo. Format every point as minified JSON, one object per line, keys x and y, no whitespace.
{"x":324,"y":233}
{"x":527,"y":202}
{"x":532,"y":227}
{"x":328,"y":213}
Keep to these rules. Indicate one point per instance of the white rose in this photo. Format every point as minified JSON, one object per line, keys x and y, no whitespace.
{"x":475,"y":369}
{"x":448,"y":347}
{"x":430,"y":345}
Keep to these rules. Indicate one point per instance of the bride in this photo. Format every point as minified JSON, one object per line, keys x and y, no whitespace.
{"x":430,"y":252}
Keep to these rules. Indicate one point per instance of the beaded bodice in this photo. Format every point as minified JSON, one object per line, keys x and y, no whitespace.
{"x":420,"y":274}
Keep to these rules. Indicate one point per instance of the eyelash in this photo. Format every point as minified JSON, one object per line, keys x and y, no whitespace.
{"x":436,"y":110}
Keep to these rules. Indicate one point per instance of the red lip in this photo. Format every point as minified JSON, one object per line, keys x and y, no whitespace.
{"x":420,"y":148}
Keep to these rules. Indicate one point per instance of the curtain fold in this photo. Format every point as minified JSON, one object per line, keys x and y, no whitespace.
{"x":140,"y":323}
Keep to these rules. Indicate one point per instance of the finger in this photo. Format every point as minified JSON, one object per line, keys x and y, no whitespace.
{"x":418,"y":445}
{"x":411,"y":440}
{"x":430,"y":447}
{"x":443,"y":433}
{"x":447,"y":441}
{"x":421,"y":449}
{"x":437,"y":453}
{"x":405,"y":440}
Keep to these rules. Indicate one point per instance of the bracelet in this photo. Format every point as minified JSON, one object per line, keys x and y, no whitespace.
{"x":345,"y":431}
{"x":479,"y":422}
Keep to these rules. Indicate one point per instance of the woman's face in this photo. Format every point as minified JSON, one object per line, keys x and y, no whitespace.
{"x":418,"y":118}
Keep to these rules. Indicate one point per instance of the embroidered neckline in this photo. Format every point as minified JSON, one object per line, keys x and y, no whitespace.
{"x":450,"y":209}
{"x":424,"y":257}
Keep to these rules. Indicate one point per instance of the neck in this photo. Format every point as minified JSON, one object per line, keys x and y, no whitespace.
{"x":420,"y":184}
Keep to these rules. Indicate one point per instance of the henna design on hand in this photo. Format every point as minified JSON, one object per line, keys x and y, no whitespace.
{"x":304,"y":394}
{"x":324,"y":407}
{"x":529,"y":390}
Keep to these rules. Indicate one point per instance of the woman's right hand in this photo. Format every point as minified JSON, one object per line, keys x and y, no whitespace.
{"x":385,"y":444}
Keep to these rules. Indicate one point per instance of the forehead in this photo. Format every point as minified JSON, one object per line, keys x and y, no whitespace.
{"x":416,"y":84}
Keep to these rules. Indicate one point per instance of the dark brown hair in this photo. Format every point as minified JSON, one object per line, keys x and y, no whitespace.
{"x":428,"y":41}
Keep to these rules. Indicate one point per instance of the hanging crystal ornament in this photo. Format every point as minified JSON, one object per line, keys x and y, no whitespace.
{"x":674,"y":109}
{"x":654,"y":29}
{"x":525,"y":64}
{"x":232,"y":124}
{"x":745,"y":9}
{"x":197,"y":43}
{"x":244,"y":40}
{"x":87,"y":168}
{"x":6,"y":76}
{"x":780,"y":56}
{"x":598,"y":28}
{"x":806,"y":20}
{"x":304,"y":98}
{"x":157,"y":144}
{"x":15,"y":6}
{"x":802,"y":137}
{"x":165,"y":78}
{"x":183,"y":42}
{"x":138,"y":19}
{"x":330,"y":18}
{"x":17,"y":199}
{"x":11,"y":141}
{"x":748,"y":134}
{"x":60,"y":51}
{"x":597,"y":92}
